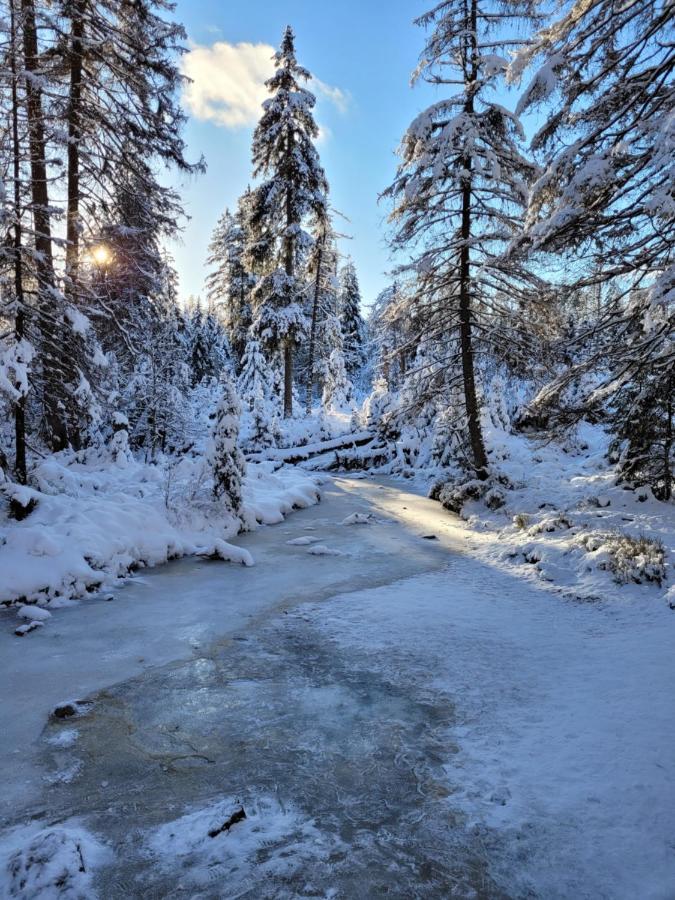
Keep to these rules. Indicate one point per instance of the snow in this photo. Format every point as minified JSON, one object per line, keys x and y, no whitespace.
{"x":94,"y":523}
{"x":303,"y":541}
{"x":358,"y":519}
{"x":323,"y":550}
{"x":33,"y":613}
{"x":274,"y":839}
{"x":43,"y":863}
{"x":569,"y":526}
{"x":506,"y":727}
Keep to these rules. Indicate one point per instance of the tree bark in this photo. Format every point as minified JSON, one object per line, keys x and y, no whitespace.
{"x":290,"y":271}
{"x":74,"y":137}
{"x":465,"y":306}
{"x":288,"y":379}
{"x":20,"y":468}
{"x":668,"y":445}
{"x":56,"y":431}
{"x":312,"y":332}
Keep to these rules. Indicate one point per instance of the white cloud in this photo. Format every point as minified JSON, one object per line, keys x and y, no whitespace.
{"x":228,"y":83}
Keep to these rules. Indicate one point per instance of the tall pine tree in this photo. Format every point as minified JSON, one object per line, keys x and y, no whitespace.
{"x":292,"y":189}
{"x":461,"y":186}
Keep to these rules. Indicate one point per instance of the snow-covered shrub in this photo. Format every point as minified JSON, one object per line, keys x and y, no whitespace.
{"x":630,"y":559}
{"x":521,"y":521}
{"x":550,"y":524}
{"x":119,"y":443}
{"x":224,"y":456}
{"x":453,"y":494}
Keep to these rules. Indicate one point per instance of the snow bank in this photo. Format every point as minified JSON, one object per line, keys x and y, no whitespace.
{"x":95,"y":522}
{"x":566,"y":523}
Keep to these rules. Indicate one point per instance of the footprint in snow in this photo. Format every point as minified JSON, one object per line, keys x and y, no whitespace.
{"x":322,"y":550}
{"x":302,"y":541}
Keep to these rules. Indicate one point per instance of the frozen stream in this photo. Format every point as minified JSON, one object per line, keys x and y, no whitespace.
{"x":197,"y":642}
{"x":399,"y":720}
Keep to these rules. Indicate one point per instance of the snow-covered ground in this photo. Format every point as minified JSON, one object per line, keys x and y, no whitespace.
{"x":565,"y":523}
{"x":455,"y":731}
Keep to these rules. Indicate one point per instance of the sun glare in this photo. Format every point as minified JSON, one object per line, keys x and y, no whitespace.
{"x":101,"y":255}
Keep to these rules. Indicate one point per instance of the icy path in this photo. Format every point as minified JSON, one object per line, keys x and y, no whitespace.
{"x":400,"y":720}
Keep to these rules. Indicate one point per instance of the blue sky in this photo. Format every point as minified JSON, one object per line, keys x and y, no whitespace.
{"x":364,"y":48}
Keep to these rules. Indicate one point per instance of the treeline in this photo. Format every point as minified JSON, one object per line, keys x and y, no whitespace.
{"x":548,"y":265}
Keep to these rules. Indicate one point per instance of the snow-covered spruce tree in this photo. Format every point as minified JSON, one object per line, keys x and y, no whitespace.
{"x":644,"y":443}
{"x":293,"y":188}
{"x":256,"y":388}
{"x":224,"y":456}
{"x":462,"y":185}
{"x":54,"y":364}
{"x":208,"y":351}
{"x":393,"y":337}
{"x":229,"y":284}
{"x":321,"y":268}
{"x":351,"y":320}
{"x":337,"y":388}
{"x":16,"y":351}
{"x":605,"y":197}
{"x":156,"y":391}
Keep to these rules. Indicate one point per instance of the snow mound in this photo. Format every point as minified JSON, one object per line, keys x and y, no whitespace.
{"x":322,"y":550}
{"x":49,"y":863}
{"x":33,"y":613}
{"x":302,"y":541}
{"x":358,"y":519}
{"x":227,"y":552}
{"x":273,"y":840}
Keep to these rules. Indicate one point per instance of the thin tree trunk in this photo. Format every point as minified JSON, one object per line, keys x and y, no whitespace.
{"x":668,"y":446}
{"x":312,"y":332}
{"x":289,"y":248}
{"x":56,"y":431}
{"x":74,"y":137}
{"x":465,"y":312}
{"x":288,"y":380}
{"x":20,"y":468}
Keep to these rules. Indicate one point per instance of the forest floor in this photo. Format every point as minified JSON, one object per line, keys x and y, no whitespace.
{"x":398,"y":715}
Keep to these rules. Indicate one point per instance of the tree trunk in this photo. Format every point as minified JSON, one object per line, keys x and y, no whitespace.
{"x":288,"y":379}
{"x":312,"y":333}
{"x":20,"y":468}
{"x":74,"y":137}
{"x":56,"y":431}
{"x":290,"y":271}
{"x":668,"y":445}
{"x":465,"y":311}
